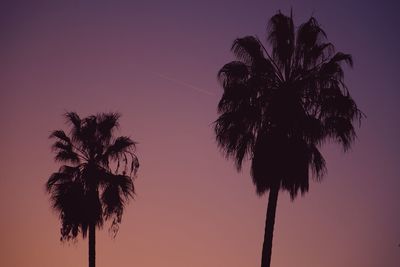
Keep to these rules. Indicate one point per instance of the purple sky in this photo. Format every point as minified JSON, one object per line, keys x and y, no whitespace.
{"x":156,"y":62}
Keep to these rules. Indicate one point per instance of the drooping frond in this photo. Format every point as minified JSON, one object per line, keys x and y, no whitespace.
{"x":235,"y":137}
{"x":65,"y":174}
{"x":248,"y":49}
{"x":67,"y":195}
{"x":236,"y":92}
{"x":122,"y":151}
{"x":317,"y":162}
{"x":233,"y":73}
{"x":117,"y":190}
{"x":120,"y":146}
{"x":341,"y":130}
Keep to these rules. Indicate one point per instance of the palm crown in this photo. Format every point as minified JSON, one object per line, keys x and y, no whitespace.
{"x":278,"y":108}
{"x":98,"y":178}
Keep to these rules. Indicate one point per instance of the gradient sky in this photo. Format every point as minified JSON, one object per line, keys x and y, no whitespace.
{"x":156,"y":63}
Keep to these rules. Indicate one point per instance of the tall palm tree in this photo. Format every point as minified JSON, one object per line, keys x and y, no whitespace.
{"x":279,"y":107}
{"x":97,"y":179}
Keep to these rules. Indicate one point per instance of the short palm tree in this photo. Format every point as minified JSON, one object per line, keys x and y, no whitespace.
{"x":279,"y":107}
{"x":97,"y":178}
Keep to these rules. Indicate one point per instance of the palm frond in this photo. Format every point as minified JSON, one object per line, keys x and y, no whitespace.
{"x":66,"y":174}
{"x":117,"y":191}
{"x":248,"y":49}
{"x":75,"y":121}
{"x":121,"y":145}
{"x":340,"y":129}
{"x":310,"y":48}
{"x":106,"y":124}
{"x":235,"y":72}
{"x":65,"y":152}
{"x":339,"y":56}
{"x":282,"y":39}
{"x":235,"y":133}
{"x":60,"y":135}
{"x":67,"y":196}
{"x":122,"y":148}
{"x":317,"y":162}
{"x":113,"y":201}
{"x":73,"y":118}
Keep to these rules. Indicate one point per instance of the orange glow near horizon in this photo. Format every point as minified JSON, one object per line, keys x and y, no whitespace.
{"x":156,"y":64}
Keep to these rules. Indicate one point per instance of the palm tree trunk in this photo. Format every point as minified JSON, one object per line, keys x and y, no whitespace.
{"x":269,"y":226}
{"x":92,"y":245}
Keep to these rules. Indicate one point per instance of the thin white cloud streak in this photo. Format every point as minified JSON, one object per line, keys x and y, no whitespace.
{"x":183,"y":83}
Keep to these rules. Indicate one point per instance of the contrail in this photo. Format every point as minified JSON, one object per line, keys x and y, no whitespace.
{"x":183,"y":83}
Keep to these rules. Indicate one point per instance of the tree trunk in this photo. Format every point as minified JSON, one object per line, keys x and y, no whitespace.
{"x":269,"y":226}
{"x":92,"y":245}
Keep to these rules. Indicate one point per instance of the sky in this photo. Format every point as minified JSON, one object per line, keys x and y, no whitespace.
{"x":156,"y":63}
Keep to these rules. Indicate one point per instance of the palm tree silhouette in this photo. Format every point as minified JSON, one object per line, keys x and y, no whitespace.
{"x":278,"y":108}
{"x":86,"y":191}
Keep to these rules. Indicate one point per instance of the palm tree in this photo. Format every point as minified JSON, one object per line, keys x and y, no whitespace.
{"x":97,"y":179}
{"x":279,"y":107}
